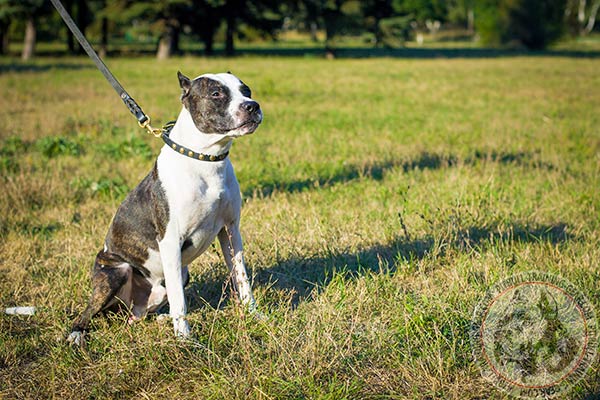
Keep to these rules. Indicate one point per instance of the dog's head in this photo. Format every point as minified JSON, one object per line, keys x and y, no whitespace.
{"x":220,"y":103}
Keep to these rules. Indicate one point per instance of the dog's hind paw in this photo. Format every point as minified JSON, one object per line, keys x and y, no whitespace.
{"x":76,"y":338}
{"x":253,"y":311}
{"x":163,"y":318}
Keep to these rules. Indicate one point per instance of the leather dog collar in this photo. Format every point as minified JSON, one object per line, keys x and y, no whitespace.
{"x":166,"y":130}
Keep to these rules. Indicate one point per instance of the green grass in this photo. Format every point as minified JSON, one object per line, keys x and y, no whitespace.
{"x":383,"y":197}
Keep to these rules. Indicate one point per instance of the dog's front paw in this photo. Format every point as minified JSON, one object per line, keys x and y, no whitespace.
{"x":76,"y":338}
{"x":181,"y":327}
{"x":259,"y":316}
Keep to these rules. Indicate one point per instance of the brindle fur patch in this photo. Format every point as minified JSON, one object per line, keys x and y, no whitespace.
{"x":109,"y":275}
{"x":207,"y":101}
{"x":140,"y":222}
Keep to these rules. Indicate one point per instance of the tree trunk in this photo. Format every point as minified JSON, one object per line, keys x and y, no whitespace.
{"x":71,"y":42}
{"x":329,"y":31}
{"x":70,"y":38}
{"x":471,"y":20}
{"x":592,"y":19}
{"x":331,"y":19}
{"x":230,"y":31}
{"x":165,"y":44}
{"x":581,"y":13}
{"x":83,"y":19}
{"x":313,"y":31}
{"x":378,"y":32}
{"x":104,"y":37}
{"x":207,"y":30}
{"x":164,"y":48}
{"x":329,"y":35}
{"x":29,"y":42}
{"x":208,"y":38}
{"x":175,"y":41}
{"x":4,"y":38}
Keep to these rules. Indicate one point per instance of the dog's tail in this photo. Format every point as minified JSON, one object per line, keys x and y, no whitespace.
{"x":20,"y":310}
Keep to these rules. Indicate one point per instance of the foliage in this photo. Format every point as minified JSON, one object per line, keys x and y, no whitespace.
{"x":10,"y":150}
{"x":107,"y":188}
{"x":422,"y":10}
{"x":20,"y":8}
{"x":520,"y":23}
{"x":395,"y":31}
{"x":153,"y":12}
{"x":530,"y":23}
{"x":133,"y":146}
{"x":458,"y":11}
{"x":52,"y":146}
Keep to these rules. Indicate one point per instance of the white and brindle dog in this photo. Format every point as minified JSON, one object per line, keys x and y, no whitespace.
{"x":177,"y":210}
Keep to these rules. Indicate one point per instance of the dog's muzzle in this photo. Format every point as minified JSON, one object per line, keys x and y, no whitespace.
{"x":251,"y":115}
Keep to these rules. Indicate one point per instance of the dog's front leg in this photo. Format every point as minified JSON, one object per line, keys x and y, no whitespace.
{"x":231,"y":245}
{"x":170,"y":255}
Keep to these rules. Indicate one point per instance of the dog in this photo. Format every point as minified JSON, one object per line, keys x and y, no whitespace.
{"x":178,"y":209}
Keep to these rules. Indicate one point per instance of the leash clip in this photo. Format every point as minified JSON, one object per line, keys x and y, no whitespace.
{"x":154,"y":131}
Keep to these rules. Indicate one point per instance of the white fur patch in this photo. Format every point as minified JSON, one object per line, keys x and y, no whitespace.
{"x":154,"y":265}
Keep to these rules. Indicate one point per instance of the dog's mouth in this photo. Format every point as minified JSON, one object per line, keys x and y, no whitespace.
{"x":249,"y":126}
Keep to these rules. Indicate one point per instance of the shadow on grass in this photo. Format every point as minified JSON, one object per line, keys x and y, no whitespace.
{"x":303,"y":276}
{"x":347,"y":52}
{"x":377,"y":170}
{"x":26,"y":67}
{"x":416,"y":53}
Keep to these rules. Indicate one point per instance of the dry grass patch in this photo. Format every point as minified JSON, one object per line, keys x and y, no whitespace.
{"x":383,"y":197}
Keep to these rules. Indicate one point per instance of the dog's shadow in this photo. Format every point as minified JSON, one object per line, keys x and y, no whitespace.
{"x":425,"y":160}
{"x":302,"y":275}
{"x":299,"y":278}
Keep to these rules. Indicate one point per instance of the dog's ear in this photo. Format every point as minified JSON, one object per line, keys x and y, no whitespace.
{"x":185,"y":84}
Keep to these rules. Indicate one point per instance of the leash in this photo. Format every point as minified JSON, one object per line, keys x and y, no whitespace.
{"x":130,"y":103}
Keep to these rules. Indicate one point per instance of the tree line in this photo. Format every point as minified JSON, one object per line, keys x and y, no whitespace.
{"x":532,"y":24}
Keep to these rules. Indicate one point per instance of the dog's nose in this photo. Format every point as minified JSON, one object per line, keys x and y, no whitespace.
{"x":250,"y":106}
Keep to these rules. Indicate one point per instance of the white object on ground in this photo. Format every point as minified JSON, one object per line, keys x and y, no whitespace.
{"x":20,"y":310}
{"x":76,"y":338}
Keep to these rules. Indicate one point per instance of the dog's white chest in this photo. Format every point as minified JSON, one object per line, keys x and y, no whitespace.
{"x":201,"y":201}
{"x":201,"y":221}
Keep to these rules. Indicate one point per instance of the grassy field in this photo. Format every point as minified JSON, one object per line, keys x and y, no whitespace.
{"x":383,"y":197}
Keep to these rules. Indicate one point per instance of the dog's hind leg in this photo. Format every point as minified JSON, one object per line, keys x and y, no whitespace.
{"x":111,"y":283}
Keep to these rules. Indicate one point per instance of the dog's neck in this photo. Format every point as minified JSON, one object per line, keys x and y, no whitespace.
{"x":185,"y":133}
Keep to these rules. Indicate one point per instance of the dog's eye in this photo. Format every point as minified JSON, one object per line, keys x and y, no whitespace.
{"x":216,"y":94}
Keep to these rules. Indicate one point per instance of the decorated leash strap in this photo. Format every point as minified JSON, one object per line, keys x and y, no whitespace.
{"x":130,"y":103}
